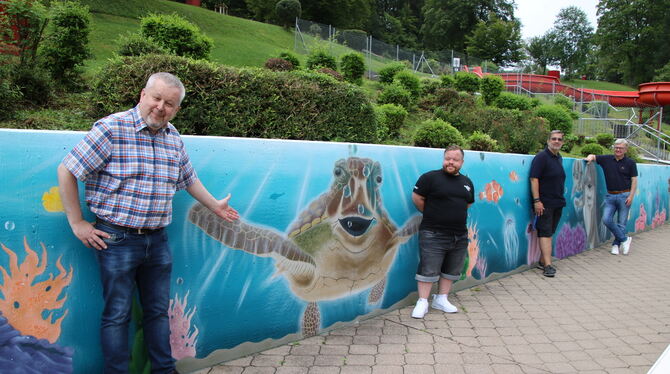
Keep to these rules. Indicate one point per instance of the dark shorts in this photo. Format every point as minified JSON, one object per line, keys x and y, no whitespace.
{"x":546,"y":223}
{"x":441,"y":255}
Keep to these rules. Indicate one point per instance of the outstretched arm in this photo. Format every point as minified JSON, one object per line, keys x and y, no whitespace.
{"x":590,"y":158}
{"x":69,"y":195}
{"x":218,"y":207}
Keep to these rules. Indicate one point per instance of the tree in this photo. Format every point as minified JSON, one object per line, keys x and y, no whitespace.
{"x":447,"y":22}
{"x":262,"y":10}
{"x":346,"y":14}
{"x":573,"y":39}
{"x":540,"y":50}
{"x":287,"y":11}
{"x":632,"y":39}
{"x":496,"y":40}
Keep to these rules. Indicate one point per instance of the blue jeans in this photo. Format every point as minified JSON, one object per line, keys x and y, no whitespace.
{"x":616,"y":204}
{"x":145,"y":260}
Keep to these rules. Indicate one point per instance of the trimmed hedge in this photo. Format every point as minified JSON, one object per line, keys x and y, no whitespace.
{"x":437,"y":134}
{"x":593,"y":148}
{"x":557,"y":116}
{"x":508,"y":100}
{"x":244,"y":102}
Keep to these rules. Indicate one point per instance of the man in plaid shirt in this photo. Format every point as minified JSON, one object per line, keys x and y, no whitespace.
{"x":132,"y":163}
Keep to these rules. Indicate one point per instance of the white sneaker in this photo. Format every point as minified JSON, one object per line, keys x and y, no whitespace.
{"x":615,"y":249}
{"x":440,"y":302}
{"x":420,"y":309}
{"x":626,"y":245}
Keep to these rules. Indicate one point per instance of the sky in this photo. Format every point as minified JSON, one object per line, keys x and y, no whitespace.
{"x":538,"y":16}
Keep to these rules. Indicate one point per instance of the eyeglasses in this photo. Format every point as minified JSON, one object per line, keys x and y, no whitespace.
{"x":556,"y":139}
{"x":619,"y":148}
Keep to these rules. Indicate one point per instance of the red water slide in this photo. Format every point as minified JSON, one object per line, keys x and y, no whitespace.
{"x":649,"y":94}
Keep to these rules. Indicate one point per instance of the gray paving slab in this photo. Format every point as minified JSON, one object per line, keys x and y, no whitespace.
{"x":600,"y":314}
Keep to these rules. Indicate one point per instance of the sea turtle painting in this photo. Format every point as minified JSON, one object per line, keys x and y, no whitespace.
{"x":343,"y":243}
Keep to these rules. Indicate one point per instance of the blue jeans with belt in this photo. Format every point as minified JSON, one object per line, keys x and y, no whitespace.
{"x":616,"y":203}
{"x":130,"y":259}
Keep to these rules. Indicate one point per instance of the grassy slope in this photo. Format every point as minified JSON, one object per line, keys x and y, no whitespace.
{"x":237,"y":41}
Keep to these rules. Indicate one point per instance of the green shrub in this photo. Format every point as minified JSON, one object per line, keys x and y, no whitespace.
{"x":448,"y":81}
{"x":395,"y":93}
{"x":133,"y":44}
{"x":468,"y":82}
{"x":176,"y":34}
{"x":490,"y":87}
{"x":410,"y":81}
{"x":595,"y":149}
{"x":278,"y":64}
{"x":515,"y":131}
{"x":65,"y":47}
{"x":353,"y":67}
{"x":290,"y":57}
{"x":287,"y":11}
{"x":388,"y":72}
{"x":35,"y":84}
{"x":508,"y":100}
{"x":564,"y":101}
{"x":479,"y":141}
{"x":10,"y":94}
{"x":569,"y":142}
{"x":437,"y":134}
{"x":590,"y":141}
{"x":605,"y":139}
{"x":634,"y":153}
{"x":227,"y":101}
{"x":392,"y":117}
{"x":429,"y":86}
{"x":557,"y":116}
{"x":320,"y":58}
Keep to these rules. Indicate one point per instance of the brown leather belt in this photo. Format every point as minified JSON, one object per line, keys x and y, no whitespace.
{"x":617,"y":192}
{"x":130,"y":230}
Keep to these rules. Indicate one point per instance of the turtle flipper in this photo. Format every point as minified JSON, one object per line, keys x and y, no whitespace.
{"x":377,"y":292}
{"x":410,"y":228}
{"x":259,"y":241}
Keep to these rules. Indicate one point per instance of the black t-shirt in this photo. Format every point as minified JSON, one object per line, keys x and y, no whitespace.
{"x":447,"y":198}
{"x":548,"y":169}
{"x":618,"y":174}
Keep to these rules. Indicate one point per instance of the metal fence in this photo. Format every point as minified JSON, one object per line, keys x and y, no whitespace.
{"x":309,"y":35}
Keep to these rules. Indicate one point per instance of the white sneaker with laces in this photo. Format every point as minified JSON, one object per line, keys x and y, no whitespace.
{"x":626,"y":245}
{"x":442,"y":303}
{"x":615,"y":249}
{"x":420,"y":309}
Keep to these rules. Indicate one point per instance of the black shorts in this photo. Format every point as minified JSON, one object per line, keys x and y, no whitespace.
{"x":441,"y":255}
{"x":546,"y":223}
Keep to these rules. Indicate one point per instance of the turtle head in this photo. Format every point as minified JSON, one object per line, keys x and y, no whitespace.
{"x":356,"y":202}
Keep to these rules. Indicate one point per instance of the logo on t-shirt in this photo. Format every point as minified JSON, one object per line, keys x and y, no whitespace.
{"x":416,"y":188}
{"x":467,"y":187}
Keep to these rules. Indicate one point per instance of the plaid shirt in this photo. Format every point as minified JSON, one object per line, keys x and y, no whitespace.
{"x":131,"y":175}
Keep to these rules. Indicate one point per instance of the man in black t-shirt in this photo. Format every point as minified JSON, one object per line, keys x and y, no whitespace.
{"x":444,"y":197}
{"x":621,"y":181}
{"x":547,"y":186}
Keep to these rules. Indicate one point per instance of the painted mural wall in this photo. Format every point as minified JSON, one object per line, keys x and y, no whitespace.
{"x":327,"y":236}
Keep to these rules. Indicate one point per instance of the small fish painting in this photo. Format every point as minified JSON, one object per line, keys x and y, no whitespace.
{"x":513,"y":176}
{"x":493,"y":191}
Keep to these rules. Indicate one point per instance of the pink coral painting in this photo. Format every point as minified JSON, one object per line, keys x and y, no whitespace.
{"x":659,"y":219}
{"x":641,"y":221}
{"x":182,"y":339}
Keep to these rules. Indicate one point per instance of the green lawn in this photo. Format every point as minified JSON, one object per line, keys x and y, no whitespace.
{"x":237,"y":41}
{"x":598,"y":85}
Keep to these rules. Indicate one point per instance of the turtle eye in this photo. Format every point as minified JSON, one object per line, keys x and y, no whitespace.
{"x":378,"y":179}
{"x":337,"y":171}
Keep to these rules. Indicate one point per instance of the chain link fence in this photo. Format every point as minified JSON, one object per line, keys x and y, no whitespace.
{"x":309,"y":35}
